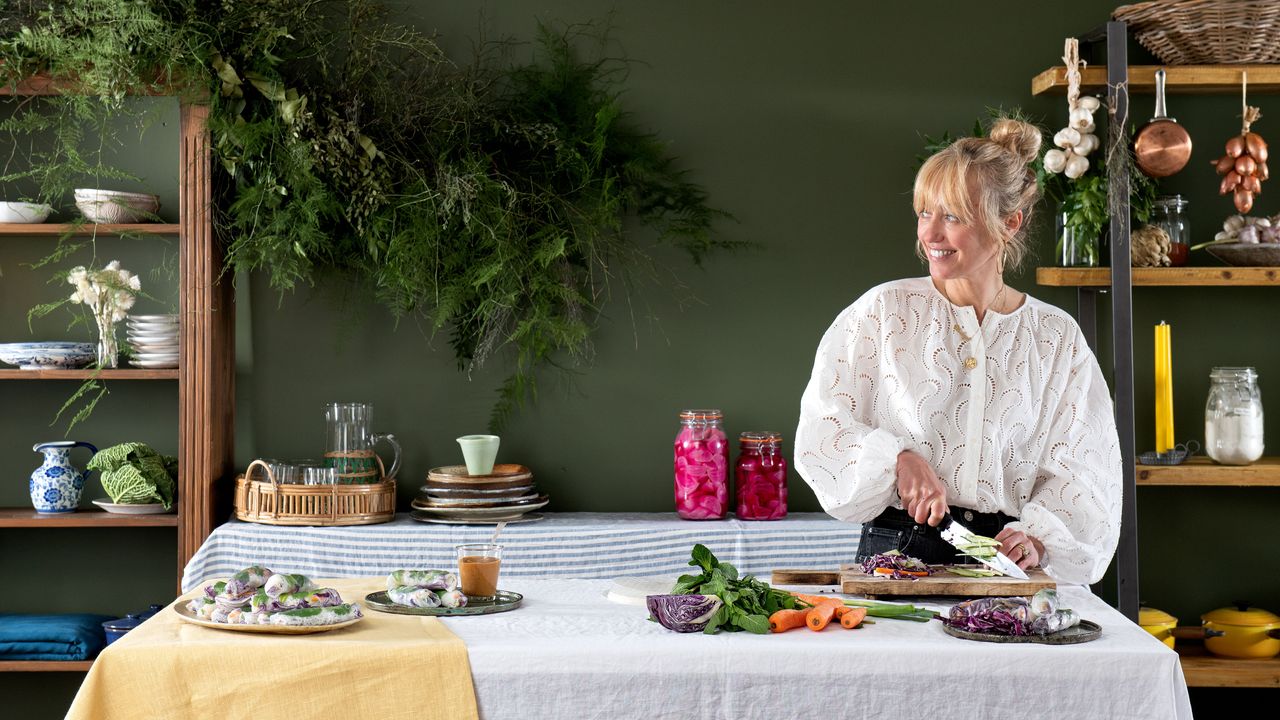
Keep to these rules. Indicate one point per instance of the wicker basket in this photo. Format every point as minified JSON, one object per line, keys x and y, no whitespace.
{"x":271,"y":503}
{"x":1194,"y":32}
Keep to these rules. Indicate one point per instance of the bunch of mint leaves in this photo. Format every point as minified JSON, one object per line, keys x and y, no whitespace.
{"x":748,"y":602}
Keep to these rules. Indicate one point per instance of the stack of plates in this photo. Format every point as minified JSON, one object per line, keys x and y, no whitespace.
{"x":452,"y":496}
{"x":154,"y":339}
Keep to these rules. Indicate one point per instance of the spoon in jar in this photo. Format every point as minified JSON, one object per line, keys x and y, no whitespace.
{"x":494,"y":538}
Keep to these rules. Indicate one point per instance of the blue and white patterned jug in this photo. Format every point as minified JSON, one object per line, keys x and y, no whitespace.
{"x":56,"y":485}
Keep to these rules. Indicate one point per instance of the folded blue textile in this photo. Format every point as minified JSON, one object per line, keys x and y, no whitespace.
{"x":51,"y":637}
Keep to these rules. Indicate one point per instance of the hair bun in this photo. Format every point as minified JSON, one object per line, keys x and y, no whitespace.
{"x":1018,"y":137}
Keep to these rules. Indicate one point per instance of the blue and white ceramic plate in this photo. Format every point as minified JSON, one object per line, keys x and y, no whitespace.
{"x":48,"y":355}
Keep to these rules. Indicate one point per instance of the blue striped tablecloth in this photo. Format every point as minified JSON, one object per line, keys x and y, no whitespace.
{"x":565,"y":545}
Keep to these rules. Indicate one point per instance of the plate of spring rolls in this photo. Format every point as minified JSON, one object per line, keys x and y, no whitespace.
{"x":257,"y":600}
{"x":434,"y":592}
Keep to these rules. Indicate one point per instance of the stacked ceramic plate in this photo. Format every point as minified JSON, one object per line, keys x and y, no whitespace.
{"x":154,"y":340}
{"x":507,"y":494}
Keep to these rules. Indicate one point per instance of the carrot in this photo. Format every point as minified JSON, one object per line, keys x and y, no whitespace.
{"x":852,"y":618}
{"x":890,"y":571}
{"x":785,"y":620}
{"x":816,"y":600}
{"x":819,"y":616}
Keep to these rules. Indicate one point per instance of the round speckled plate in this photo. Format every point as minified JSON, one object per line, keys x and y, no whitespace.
{"x":503,"y":602}
{"x":1084,"y":632}
{"x":190,"y":617}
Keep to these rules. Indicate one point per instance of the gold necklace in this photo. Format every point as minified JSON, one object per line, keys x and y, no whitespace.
{"x":970,"y":362}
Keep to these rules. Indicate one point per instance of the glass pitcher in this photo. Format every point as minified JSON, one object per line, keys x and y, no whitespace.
{"x":349,"y":441}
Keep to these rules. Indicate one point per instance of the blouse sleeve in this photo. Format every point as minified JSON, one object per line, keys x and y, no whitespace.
{"x":1074,"y":508}
{"x":850,"y":464}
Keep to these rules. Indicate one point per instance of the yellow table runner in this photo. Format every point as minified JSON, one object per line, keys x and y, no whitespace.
{"x":385,"y":667}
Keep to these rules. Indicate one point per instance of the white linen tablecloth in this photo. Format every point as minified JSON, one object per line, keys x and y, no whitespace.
{"x":570,"y":653}
{"x":583,"y":545}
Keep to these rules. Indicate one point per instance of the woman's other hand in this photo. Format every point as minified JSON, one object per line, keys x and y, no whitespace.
{"x":923,"y":496}
{"x":1020,"y":547}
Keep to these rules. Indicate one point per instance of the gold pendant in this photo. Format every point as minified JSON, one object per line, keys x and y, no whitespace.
{"x":970,"y":363}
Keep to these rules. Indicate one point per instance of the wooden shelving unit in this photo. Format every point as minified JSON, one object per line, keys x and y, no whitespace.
{"x":1201,"y":471}
{"x":28,"y":518}
{"x":45,"y":666}
{"x":1167,"y":277}
{"x":206,"y":372}
{"x":88,"y":229}
{"x":106,"y":374}
{"x":1204,"y":670}
{"x":1182,"y":79}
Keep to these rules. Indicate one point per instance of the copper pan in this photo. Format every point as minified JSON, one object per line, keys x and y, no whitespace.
{"x":1162,"y":147}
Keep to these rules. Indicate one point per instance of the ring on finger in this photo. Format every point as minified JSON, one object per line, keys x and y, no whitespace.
{"x":1022,"y":549}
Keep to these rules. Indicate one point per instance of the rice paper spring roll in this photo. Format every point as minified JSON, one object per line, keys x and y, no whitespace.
{"x":231,"y":603}
{"x":317,"y":615}
{"x":414,"y":597}
{"x":322,"y":597}
{"x":282,"y":583}
{"x":262,"y":602}
{"x":430,"y":579}
{"x":452,"y":598}
{"x":245,"y":582}
{"x":202,"y":607}
{"x":216,"y":589}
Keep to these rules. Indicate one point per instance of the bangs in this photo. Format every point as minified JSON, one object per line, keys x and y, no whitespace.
{"x":943,"y":182}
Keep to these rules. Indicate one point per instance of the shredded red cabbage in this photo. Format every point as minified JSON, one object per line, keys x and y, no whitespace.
{"x":897,"y":562}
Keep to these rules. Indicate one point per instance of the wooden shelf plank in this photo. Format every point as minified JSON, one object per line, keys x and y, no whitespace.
{"x":29,"y":518}
{"x":1204,"y":670}
{"x":45,"y":665}
{"x":1203,"y":471}
{"x":108,"y":374}
{"x":86,"y":229}
{"x":1179,"y":276}
{"x":1180,"y":79}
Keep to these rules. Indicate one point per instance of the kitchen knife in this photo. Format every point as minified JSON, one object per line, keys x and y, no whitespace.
{"x":957,"y":534}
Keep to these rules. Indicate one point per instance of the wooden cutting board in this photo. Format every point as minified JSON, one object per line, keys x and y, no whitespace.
{"x":853,"y":581}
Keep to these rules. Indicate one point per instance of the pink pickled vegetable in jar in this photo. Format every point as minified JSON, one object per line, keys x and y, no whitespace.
{"x":702,"y":466}
{"x":761,"y":477}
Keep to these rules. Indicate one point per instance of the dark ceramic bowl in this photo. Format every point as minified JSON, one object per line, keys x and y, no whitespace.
{"x":1247,"y":254}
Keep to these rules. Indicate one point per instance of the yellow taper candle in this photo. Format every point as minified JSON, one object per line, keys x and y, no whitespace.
{"x":1163,"y":389}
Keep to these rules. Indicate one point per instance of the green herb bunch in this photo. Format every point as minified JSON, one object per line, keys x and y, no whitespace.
{"x":748,"y":602}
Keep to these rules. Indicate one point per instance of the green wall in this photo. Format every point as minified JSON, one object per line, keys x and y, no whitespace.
{"x":804,"y":125}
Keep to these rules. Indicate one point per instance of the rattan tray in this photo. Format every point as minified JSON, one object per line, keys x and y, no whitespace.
{"x":272,"y":503}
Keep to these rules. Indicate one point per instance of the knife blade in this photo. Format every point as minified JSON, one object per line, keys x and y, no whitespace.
{"x":958,"y":535}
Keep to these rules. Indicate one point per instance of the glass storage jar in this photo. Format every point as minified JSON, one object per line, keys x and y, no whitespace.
{"x":702,"y":466}
{"x":1075,"y":248}
{"x":1233,"y":416}
{"x":1169,"y":213}
{"x":760,"y":477}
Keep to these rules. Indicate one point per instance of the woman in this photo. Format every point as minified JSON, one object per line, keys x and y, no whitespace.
{"x":956,"y":393}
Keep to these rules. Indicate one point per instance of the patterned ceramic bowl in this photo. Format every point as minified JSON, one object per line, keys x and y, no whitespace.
{"x":48,"y":355}
{"x":113,"y":206}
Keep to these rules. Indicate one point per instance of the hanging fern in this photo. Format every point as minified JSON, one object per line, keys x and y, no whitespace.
{"x":489,"y":200}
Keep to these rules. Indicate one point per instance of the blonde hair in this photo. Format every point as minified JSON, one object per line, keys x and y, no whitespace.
{"x":998,"y":168}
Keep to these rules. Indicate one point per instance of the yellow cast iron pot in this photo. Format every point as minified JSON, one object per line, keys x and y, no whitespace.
{"x":1247,"y":632}
{"x":1159,"y":623}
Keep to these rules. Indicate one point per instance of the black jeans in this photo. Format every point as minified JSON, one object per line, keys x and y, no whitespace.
{"x":894,"y":529}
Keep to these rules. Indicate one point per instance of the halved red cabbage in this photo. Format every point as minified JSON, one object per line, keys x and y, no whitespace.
{"x":683,"y":613}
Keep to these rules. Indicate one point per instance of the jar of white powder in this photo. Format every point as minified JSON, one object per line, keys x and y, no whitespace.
{"x":1233,"y":416}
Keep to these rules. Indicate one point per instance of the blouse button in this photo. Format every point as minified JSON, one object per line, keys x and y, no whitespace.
{"x":970,"y":363}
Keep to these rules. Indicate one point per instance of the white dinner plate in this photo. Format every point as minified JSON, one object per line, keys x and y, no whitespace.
{"x":131,"y":508}
{"x":153,"y":365}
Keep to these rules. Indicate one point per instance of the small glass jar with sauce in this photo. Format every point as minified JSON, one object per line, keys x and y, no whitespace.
{"x":1169,"y":213}
{"x":760,"y":476}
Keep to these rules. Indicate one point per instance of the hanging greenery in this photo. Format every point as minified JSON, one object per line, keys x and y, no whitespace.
{"x":489,"y":198}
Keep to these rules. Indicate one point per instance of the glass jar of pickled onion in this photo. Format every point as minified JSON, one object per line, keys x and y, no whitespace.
{"x":760,"y":476}
{"x":702,"y":466}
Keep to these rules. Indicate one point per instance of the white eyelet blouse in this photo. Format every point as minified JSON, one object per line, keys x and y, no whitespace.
{"x":1028,"y":431}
